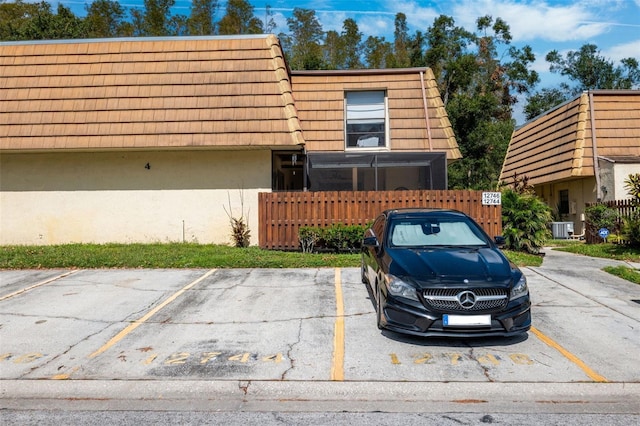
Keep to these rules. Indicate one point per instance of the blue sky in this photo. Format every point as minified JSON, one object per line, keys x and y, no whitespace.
{"x":564,"y":25}
{"x":612,"y":25}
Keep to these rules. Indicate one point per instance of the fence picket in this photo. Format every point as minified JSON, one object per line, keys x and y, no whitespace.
{"x":282,"y":213}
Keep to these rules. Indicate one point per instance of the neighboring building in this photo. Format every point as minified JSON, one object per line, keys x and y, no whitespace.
{"x":579,"y":152}
{"x":159,"y":139}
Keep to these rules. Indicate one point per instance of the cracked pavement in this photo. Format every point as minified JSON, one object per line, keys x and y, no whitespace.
{"x":253,"y":337}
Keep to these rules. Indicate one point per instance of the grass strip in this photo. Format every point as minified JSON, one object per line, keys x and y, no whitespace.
{"x":181,"y":255}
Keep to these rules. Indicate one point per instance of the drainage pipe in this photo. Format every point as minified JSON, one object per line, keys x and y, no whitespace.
{"x":426,"y":111}
{"x":594,"y":143}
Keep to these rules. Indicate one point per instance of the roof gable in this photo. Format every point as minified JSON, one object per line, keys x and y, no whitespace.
{"x":559,"y":145}
{"x":157,"y":93}
{"x":320,"y":102}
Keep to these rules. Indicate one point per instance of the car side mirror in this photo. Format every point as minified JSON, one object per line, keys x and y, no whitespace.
{"x":370,"y":242}
{"x":500,"y":241}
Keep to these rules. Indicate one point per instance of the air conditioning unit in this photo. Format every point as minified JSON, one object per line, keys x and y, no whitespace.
{"x":562,"y":230}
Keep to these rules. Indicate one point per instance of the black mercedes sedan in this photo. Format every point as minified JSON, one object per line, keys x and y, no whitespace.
{"x":435,"y":272}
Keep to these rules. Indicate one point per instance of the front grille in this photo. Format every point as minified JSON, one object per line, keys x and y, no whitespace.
{"x":447,"y":299}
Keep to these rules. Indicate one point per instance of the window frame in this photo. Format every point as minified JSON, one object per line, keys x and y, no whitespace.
{"x":386,"y":146}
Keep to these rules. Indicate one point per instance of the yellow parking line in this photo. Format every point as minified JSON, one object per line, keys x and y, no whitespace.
{"x":115,"y":339}
{"x":15,"y":293}
{"x":571,"y":357}
{"x":337,"y":365}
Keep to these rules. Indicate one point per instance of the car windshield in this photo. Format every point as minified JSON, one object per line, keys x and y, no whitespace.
{"x":435,"y":232}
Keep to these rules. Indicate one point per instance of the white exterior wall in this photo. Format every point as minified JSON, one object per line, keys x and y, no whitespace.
{"x":621,"y":173}
{"x":56,"y":198}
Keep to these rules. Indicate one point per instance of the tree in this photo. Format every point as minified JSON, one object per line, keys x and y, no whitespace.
{"x":544,"y":100}
{"x":304,"y":43}
{"x":589,"y":70}
{"x":45,"y":25}
{"x":201,"y":21}
{"x":239,"y":19}
{"x":351,"y":42}
{"x":447,"y":56}
{"x":376,"y":52}
{"x":154,"y":20}
{"x":105,"y":18}
{"x":478,"y":90}
{"x":333,"y":49}
{"x":416,"y":49}
{"x":15,"y":16}
{"x":400,"y":42}
{"x":269,"y":23}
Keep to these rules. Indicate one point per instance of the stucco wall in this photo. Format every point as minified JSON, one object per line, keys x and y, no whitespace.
{"x":54,"y":198}
{"x":581,"y":191}
{"x":622,"y":172}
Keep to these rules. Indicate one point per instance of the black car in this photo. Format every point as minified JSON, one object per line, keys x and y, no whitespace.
{"x":435,"y":272}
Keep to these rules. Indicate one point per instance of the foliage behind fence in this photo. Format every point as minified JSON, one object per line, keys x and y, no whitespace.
{"x":624,"y":208}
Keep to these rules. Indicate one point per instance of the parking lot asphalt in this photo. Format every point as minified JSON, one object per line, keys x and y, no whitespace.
{"x":253,"y":339}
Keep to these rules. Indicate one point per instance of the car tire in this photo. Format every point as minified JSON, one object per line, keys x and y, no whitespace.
{"x":379,"y":313}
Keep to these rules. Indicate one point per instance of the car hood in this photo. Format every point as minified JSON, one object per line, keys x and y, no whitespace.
{"x":446,"y":265}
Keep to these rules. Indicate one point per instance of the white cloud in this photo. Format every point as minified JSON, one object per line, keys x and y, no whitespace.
{"x":418,"y":17}
{"x":378,"y":26}
{"x":533,"y":20}
{"x":332,"y":21}
{"x":621,"y":51}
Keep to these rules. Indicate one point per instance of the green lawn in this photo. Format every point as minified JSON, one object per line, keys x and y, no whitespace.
{"x":624,"y":272}
{"x":220,"y":256}
{"x":180,"y":256}
{"x":607,"y":251}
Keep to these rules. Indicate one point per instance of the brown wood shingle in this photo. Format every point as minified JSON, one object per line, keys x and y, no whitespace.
{"x":146,"y":93}
{"x":559,"y":144}
{"x":325,"y":91}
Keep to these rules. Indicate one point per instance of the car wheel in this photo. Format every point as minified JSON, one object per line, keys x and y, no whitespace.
{"x":379,"y":313}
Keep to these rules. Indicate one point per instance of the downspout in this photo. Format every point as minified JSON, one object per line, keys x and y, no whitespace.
{"x":305,"y":170}
{"x":594,"y":143}
{"x":426,"y":111}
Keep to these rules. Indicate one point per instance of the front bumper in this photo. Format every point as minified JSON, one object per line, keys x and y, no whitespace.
{"x":403,"y":318}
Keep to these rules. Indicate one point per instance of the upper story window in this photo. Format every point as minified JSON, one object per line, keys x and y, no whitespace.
{"x":366,"y":119}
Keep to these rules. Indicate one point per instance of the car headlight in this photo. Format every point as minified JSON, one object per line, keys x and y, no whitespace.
{"x":399,"y":288}
{"x":520,"y":289}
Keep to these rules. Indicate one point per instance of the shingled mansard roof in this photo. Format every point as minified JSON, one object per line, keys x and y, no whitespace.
{"x":189,"y":92}
{"x":159,"y":93}
{"x":559,"y":145}
{"x":418,"y":119}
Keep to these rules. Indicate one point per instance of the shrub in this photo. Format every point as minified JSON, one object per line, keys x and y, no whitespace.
{"x":632,"y":185}
{"x":631,"y":230}
{"x":525,"y":221}
{"x":337,"y":237}
{"x":240,"y":232}
{"x":309,"y":237}
{"x":343,"y":237}
{"x":600,"y":216}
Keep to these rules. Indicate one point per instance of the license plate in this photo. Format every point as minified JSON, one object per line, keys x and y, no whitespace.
{"x":466,"y":320}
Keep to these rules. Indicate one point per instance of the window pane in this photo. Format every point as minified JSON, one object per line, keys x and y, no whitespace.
{"x":365,"y":105}
{"x":365,"y":134}
{"x":365,"y":123}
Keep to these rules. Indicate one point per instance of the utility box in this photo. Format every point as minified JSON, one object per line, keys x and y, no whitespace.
{"x":562,"y":230}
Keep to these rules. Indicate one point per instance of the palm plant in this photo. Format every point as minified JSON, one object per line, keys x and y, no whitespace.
{"x":525,"y":221}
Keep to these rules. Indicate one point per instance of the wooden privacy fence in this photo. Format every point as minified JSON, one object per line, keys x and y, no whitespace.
{"x":282,"y":213}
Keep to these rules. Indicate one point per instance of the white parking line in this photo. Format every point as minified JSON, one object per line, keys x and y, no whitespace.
{"x":15,"y":293}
